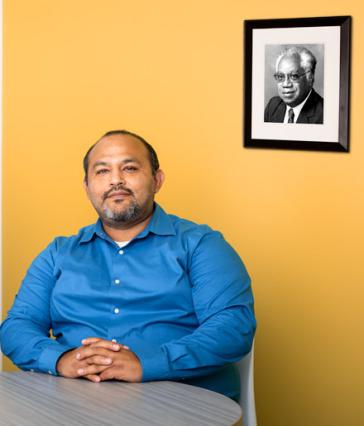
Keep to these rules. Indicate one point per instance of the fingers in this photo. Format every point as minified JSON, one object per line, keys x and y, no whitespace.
{"x":90,"y":340}
{"x":98,"y":360}
{"x":90,"y":351}
{"x":93,"y":358}
{"x":108,"y":374}
{"x":76,"y":363}
{"x":93,"y":378}
{"x":125,"y":366}
{"x":108,"y":344}
{"x":91,"y":370}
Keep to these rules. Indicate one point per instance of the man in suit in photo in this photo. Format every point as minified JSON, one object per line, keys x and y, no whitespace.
{"x":297,"y":102}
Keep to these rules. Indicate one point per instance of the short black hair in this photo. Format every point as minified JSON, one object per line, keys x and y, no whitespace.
{"x":153,"y":158}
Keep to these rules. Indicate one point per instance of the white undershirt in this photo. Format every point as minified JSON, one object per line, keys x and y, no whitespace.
{"x":122,"y":244}
{"x":297,"y":109}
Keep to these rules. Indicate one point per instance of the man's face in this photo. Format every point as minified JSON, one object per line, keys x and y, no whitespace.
{"x":120,"y":183}
{"x":293,"y":92}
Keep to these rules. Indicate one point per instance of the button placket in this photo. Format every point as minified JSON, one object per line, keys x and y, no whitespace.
{"x":118,"y":265}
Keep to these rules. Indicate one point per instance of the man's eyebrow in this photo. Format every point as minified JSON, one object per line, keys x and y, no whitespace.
{"x":105,"y":163}
{"x":130,"y":160}
{"x":99,"y":163}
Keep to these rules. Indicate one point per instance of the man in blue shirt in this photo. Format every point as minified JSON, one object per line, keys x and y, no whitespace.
{"x":140,"y":295}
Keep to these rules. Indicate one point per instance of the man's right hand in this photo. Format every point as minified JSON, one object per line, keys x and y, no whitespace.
{"x":71,"y":362}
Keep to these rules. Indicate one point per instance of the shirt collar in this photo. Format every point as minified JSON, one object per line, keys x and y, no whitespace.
{"x":160,"y":224}
{"x":90,"y":231}
{"x":297,"y":109}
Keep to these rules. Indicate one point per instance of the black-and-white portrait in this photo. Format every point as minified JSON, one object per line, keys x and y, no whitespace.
{"x":294,"y":84}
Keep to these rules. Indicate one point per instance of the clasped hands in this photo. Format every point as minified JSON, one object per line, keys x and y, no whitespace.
{"x":98,"y":360}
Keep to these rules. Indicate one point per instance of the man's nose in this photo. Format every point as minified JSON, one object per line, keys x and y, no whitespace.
{"x":287,"y":81}
{"x":116,"y":177}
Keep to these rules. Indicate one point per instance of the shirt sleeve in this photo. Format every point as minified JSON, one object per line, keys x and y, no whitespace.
{"x":25,"y":334}
{"x":223,"y":302}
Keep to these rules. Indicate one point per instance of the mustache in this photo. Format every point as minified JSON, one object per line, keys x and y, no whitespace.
{"x":116,"y":189}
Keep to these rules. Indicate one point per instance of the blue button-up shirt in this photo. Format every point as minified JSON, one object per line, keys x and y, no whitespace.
{"x":177,"y":294}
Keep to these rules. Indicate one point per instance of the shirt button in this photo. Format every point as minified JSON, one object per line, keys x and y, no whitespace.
{"x":117,"y":281}
{"x":116,"y":310}
{"x":113,"y":340}
{"x":121,"y":251}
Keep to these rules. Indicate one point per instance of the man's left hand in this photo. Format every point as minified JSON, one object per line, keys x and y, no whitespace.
{"x":125,"y":364}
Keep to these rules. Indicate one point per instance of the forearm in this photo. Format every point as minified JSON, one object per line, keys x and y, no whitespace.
{"x":223,"y":303}
{"x":24,"y":335}
{"x":220,"y":340}
{"x":29,"y":346}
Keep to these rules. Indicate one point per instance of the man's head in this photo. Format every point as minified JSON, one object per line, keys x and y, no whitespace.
{"x":295,"y":74}
{"x":121,"y":177}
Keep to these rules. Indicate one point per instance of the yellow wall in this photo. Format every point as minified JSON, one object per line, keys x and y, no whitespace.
{"x":172,"y":71}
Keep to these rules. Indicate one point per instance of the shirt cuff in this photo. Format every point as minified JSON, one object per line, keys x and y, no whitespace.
{"x":49,"y":357}
{"x":154,"y":362}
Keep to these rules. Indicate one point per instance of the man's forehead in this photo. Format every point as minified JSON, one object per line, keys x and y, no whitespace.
{"x":289,"y":62}
{"x":118,"y":145}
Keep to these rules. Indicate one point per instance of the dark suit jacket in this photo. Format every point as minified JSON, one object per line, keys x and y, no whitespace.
{"x":311,"y":113}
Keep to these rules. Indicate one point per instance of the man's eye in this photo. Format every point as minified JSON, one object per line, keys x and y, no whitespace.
{"x":130,"y":169}
{"x":279,"y":77}
{"x":101,"y":171}
{"x":294,"y":77}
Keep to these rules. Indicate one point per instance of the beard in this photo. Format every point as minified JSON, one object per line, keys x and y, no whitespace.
{"x":130,"y":214}
{"x":121,"y":213}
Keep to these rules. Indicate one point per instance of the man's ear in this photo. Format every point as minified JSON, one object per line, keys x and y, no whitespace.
{"x":311,"y":77}
{"x":159,"y":178}
{"x":85,"y":185}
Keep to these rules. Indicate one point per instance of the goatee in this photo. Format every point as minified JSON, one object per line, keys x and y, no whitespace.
{"x":132,"y":213}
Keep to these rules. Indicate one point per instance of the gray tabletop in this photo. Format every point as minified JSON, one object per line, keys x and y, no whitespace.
{"x":39,"y":399}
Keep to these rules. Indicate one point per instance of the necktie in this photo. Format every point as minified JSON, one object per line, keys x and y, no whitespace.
{"x":290,"y":116}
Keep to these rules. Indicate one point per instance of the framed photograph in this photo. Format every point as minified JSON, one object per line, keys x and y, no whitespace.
{"x":297,"y":83}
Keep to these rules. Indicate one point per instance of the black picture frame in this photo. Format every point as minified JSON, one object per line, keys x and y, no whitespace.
{"x":333,"y":133}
